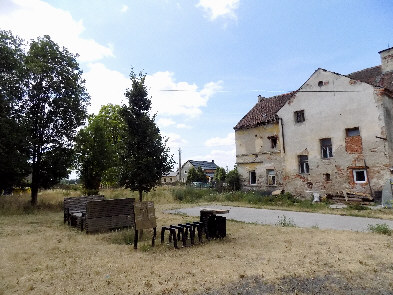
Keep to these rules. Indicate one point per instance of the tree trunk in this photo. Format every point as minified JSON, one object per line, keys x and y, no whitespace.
{"x":34,"y":185}
{"x":35,"y":177}
{"x":140,"y":195}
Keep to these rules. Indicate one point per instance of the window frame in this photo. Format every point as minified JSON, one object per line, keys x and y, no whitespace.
{"x":270,"y":176}
{"x":251,"y":178}
{"x":327,"y":148}
{"x":299,"y":116}
{"x":348,"y":131}
{"x":365,"y":175}
{"x":304,"y":167}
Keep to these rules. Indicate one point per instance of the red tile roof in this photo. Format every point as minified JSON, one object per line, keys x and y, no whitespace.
{"x":264,"y":112}
{"x":374,"y":77}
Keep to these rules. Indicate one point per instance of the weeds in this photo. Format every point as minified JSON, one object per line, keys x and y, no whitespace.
{"x":358,"y":207}
{"x":381,"y":228}
{"x":285,"y":222}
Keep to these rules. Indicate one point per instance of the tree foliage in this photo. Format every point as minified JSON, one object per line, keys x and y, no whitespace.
{"x":43,"y":94}
{"x":13,"y":144}
{"x":220,"y":175}
{"x":196,"y":175}
{"x":233,"y":179}
{"x":55,"y":106}
{"x":146,"y":157}
{"x":98,"y":148}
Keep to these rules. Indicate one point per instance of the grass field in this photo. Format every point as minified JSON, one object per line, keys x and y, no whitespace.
{"x":41,"y":255}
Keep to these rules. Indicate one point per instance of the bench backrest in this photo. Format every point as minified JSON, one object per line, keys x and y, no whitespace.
{"x":79,"y":203}
{"x":109,"y":214}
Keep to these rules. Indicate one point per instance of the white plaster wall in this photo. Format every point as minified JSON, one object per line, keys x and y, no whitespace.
{"x":329,"y":109}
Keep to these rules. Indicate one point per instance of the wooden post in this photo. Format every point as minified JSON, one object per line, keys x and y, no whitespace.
{"x":154,"y":236}
{"x":136,"y":239}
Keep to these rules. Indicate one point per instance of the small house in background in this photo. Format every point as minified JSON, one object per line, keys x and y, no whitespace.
{"x":334,"y":135}
{"x":169,"y":178}
{"x":208,"y":167}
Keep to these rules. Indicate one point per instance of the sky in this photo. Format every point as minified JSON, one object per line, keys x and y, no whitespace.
{"x":206,"y":61}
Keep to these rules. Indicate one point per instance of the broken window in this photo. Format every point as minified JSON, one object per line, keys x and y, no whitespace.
{"x":360,"y":175}
{"x":253,"y":177}
{"x":299,"y":116}
{"x":326,"y":148}
{"x":303,"y":164}
{"x":273,"y":141}
{"x":271,"y":177}
{"x":352,"y":132}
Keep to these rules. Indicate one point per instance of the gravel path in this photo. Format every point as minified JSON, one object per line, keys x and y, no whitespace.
{"x":300,"y":219}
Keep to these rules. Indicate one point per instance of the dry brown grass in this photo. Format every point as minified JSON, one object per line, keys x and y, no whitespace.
{"x":40,"y":255}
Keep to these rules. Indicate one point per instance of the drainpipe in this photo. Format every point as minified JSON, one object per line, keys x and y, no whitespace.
{"x":282,"y":135}
{"x":368,"y":178}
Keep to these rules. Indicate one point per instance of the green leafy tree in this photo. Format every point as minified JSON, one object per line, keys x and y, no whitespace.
{"x":55,"y":106}
{"x":196,"y":175}
{"x":98,"y":148}
{"x":115,"y":128}
{"x":13,"y":144}
{"x":145,"y":158}
{"x":233,"y":179}
{"x":220,"y":175}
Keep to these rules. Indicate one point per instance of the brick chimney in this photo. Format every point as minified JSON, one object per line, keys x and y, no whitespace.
{"x":386,"y":60}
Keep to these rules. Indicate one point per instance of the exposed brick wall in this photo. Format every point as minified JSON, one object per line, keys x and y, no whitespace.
{"x":353,"y":145}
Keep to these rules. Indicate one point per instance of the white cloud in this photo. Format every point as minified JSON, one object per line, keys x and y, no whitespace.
{"x":105,"y":86}
{"x":229,"y":140}
{"x":32,"y":18}
{"x":219,"y":8}
{"x":173,"y":98}
{"x":165,"y":122}
{"x":124,"y":8}
{"x":183,"y":126}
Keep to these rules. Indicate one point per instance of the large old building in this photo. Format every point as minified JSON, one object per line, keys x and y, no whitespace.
{"x":334,"y":135}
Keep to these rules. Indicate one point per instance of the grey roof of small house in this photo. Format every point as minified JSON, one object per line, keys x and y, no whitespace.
{"x":204,"y":165}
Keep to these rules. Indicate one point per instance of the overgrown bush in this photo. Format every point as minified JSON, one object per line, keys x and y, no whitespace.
{"x":381,"y":228}
{"x":189,"y":194}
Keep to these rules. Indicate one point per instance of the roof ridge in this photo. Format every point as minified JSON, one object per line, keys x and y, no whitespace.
{"x":366,"y":69}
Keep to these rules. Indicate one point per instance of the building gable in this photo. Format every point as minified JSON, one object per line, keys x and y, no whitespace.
{"x":264,"y":112}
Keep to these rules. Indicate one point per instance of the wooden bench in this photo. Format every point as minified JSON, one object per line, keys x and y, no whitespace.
{"x":75,"y":207}
{"x":108,"y":215}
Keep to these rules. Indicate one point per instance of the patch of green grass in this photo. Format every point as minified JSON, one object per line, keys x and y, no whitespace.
{"x":381,"y":228}
{"x":285,"y":222}
{"x":357,"y":207}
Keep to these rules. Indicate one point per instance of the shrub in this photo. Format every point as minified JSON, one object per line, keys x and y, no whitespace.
{"x":285,"y":222}
{"x":189,"y":194}
{"x":382,"y":229}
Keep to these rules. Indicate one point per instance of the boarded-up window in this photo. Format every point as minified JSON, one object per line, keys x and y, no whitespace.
{"x":271,"y":177}
{"x":253,"y":177}
{"x":299,"y":116}
{"x":353,"y":141}
{"x":303,"y":164}
{"x":326,"y":148}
